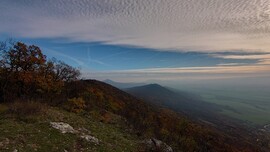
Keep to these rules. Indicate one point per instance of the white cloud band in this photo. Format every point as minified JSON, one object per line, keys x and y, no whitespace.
{"x":196,"y":25}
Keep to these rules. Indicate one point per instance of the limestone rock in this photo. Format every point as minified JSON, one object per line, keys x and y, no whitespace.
{"x":157,"y":145}
{"x":66,"y":128}
{"x":63,"y":127}
{"x":90,"y":139}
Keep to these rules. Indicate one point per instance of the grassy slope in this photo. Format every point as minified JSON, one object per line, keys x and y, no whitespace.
{"x":33,"y":133}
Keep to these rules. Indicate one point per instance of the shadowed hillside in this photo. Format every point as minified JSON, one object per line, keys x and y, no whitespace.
{"x":164,"y":124}
{"x":189,"y":104}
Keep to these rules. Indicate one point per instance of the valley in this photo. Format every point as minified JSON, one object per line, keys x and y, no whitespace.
{"x":250,"y":106}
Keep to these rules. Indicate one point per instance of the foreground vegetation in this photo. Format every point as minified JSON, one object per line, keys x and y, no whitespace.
{"x":26,"y":131}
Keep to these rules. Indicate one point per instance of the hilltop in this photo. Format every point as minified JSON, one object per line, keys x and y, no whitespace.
{"x":121,"y":85}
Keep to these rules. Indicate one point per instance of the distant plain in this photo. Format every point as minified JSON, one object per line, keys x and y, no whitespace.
{"x":248,"y":105}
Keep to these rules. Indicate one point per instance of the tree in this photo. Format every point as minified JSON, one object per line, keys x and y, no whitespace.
{"x":64,"y":71}
{"x":25,"y":71}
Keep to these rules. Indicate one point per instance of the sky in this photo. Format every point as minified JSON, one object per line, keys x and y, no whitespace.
{"x":144,"y":40}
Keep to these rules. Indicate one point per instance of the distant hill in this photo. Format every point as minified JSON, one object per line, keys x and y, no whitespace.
{"x":183,"y":102}
{"x":162,"y":96}
{"x":157,"y":95}
{"x":121,"y":85}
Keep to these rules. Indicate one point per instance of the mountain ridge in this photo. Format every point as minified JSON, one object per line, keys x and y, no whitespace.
{"x":121,"y":85}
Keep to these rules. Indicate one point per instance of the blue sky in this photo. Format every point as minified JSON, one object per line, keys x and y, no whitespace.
{"x":104,"y":57}
{"x":133,"y":40}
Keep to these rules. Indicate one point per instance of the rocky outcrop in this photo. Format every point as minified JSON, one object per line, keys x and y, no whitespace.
{"x":157,"y":145}
{"x":66,"y":128}
{"x":90,"y":139}
{"x":63,"y":127}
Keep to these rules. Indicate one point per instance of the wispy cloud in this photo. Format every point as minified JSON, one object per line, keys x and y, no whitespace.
{"x":97,"y":61}
{"x":189,"y":73}
{"x":257,"y":56}
{"x":190,"y":25}
{"x":212,"y":69}
{"x":59,"y":54}
{"x":264,"y":62}
{"x":230,"y":64}
{"x":263,"y":59}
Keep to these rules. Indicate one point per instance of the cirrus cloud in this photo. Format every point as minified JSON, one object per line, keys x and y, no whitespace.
{"x":190,"y":25}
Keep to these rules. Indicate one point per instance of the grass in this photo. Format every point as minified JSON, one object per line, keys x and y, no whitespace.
{"x":34,"y":133}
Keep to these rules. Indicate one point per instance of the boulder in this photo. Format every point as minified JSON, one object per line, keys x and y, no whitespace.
{"x":90,"y":139}
{"x":63,"y":127}
{"x":66,"y":128}
{"x":157,"y":145}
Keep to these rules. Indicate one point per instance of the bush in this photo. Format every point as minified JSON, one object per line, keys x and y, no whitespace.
{"x":76,"y":105}
{"x":3,"y":108}
{"x":26,"y":108}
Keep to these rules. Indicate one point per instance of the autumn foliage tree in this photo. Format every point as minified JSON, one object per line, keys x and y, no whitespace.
{"x":64,"y":71}
{"x":25,"y":72}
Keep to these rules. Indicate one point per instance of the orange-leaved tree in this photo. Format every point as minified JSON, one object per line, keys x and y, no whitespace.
{"x":25,"y":72}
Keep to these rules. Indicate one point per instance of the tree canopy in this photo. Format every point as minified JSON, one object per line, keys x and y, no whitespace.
{"x":25,"y":72}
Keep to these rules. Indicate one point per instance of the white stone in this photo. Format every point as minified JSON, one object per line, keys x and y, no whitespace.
{"x":63,"y":127}
{"x":90,"y":138}
{"x":155,"y":144}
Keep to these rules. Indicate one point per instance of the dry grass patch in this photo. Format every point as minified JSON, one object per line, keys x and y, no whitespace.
{"x":27,"y":108}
